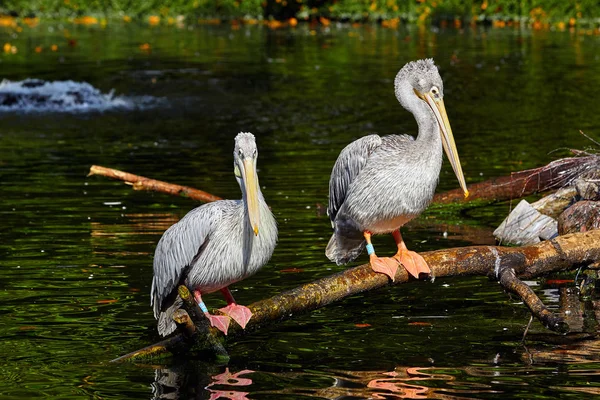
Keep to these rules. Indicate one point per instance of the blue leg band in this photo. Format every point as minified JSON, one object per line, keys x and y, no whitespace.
{"x":370,"y":249}
{"x":203,"y":307}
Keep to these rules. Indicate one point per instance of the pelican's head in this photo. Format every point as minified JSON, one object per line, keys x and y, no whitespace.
{"x":418,"y":85}
{"x":245,"y":154}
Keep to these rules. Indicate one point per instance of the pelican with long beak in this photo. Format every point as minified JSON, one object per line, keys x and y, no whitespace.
{"x":378,"y":184}
{"x":214,"y":246}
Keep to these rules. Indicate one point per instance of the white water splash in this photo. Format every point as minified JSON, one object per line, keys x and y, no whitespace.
{"x":33,"y":95}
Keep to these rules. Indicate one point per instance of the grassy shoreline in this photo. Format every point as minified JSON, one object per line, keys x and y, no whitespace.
{"x":543,"y":14}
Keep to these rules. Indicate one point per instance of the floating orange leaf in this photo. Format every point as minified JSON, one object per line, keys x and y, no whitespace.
{"x":107,"y":301}
{"x":362,"y":325}
{"x":54,"y":47}
{"x":292,"y":270}
{"x":419,"y":323}
{"x":38,"y":49}
{"x":293,"y":21}
{"x":27,"y":328}
{"x":324,"y":21}
{"x":145,"y":47}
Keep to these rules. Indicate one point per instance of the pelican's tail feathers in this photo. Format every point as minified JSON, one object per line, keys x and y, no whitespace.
{"x":166,"y":325}
{"x":343,"y":249}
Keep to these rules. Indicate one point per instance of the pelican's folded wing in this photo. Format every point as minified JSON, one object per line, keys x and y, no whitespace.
{"x":350,"y":162}
{"x":179,"y":248}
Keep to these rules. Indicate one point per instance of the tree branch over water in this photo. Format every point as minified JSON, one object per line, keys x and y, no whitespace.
{"x":519,"y":184}
{"x":142,"y":183}
{"x":503,"y":264}
{"x":562,"y":253}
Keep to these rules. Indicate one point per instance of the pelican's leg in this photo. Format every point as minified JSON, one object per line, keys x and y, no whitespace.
{"x":384,"y":265}
{"x":240,"y":314}
{"x":221,"y":322}
{"x":414,"y":263}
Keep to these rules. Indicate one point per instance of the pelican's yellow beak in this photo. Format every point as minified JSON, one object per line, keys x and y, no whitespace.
{"x":251,"y":186}
{"x":437,"y":105}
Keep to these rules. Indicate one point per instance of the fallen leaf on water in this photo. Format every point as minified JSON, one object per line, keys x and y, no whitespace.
{"x":419,"y":323}
{"x":145,"y":47}
{"x":107,"y":301}
{"x":27,"y":328}
{"x":362,"y":325}
{"x":292,"y":270}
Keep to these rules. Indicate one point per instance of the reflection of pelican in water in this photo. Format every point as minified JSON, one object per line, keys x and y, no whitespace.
{"x":215,"y":245}
{"x":378,"y":184}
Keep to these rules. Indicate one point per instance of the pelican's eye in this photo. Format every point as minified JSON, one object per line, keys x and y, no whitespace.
{"x":236,"y":171}
{"x":241,"y":153}
{"x":435,"y":92}
{"x":254,"y":153}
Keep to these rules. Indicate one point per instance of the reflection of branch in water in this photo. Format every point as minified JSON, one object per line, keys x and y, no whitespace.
{"x":103,"y":236}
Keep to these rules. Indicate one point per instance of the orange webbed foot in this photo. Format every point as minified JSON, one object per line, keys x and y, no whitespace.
{"x":384,"y":265}
{"x":221,"y":322}
{"x":240,"y":314}
{"x":413,"y":262}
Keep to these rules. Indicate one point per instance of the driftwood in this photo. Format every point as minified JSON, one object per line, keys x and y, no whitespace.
{"x":562,"y":253}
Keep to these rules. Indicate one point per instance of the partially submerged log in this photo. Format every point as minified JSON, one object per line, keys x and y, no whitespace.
{"x":562,"y":253}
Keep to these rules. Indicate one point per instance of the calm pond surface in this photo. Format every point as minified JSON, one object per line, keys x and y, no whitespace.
{"x":76,"y":252}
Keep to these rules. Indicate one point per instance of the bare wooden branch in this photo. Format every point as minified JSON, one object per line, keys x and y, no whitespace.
{"x":510,"y":282}
{"x":166,"y":346}
{"x":143,"y":183}
{"x":184,"y":323}
{"x":519,"y":184}
{"x":559,"y":254}
{"x":524,"y":183}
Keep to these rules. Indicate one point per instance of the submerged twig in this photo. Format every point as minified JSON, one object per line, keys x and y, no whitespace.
{"x":511,"y":283}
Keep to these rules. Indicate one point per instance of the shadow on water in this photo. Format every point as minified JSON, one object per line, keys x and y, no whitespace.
{"x":76,"y":252}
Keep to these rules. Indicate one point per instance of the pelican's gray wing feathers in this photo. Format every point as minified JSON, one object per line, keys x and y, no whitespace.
{"x":349,"y":163}
{"x":179,"y":248}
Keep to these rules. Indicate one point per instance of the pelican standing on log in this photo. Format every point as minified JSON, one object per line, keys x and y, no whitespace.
{"x":215,"y":245}
{"x":378,"y":184}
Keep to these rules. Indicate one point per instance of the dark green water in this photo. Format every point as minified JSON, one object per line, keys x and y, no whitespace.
{"x":76,"y":252}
